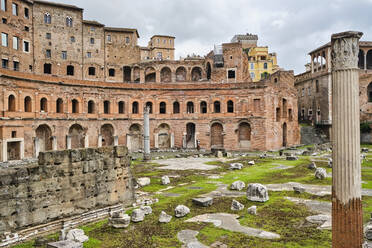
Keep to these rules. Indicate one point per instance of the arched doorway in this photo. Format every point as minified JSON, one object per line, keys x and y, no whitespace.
{"x":190,"y":135}
{"x":77,"y":135}
{"x":107,"y":132}
{"x":196,"y":74}
{"x":284,"y":134}
{"x":44,"y":134}
{"x":164,"y":140}
{"x":135,"y":140}
{"x":181,"y":74}
{"x":127,"y":73}
{"x":361,"y":59}
{"x":150,"y":75}
{"x":244,"y":135}
{"x":166,"y":75}
{"x":216,"y":136}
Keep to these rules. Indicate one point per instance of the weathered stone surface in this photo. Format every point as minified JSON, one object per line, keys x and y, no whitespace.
{"x":257,"y":192}
{"x":291,"y":158}
{"x":138,"y":215}
{"x":203,"y":201}
{"x":146,"y":209}
{"x":236,"y":206}
{"x":368,"y":231}
{"x":237,"y":185}
{"x":320,"y":173}
{"x":312,"y":166}
{"x":236,"y":166}
{"x":164,"y":217}
{"x":77,"y":235}
{"x":65,"y":244}
{"x":365,"y":150}
{"x":251,"y":163}
{"x":143,"y":181}
{"x":119,"y":220}
{"x":299,"y":189}
{"x":323,"y":220}
{"x":218,"y":244}
{"x":219,"y":154}
{"x":181,"y":211}
{"x":165,"y":180}
{"x":188,"y":237}
{"x":252,"y":210}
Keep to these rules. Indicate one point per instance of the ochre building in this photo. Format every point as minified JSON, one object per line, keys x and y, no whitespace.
{"x":73,"y":83}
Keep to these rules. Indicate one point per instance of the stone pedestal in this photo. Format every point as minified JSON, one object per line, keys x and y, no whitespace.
{"x":346,"y":186}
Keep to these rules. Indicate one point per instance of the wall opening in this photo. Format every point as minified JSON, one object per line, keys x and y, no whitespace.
{"x":230,"y":106}
{"x":217,"y":107}
{"x":106,"y":107}
{"x":284,"y":134}
{"x":28,"y":104}
{"x":77,"y":135}
{"x":43,"y":105}
{"x":14,"y":150}
{"x":164,"y":136}
{"x":361,"y":59}
{"x":107,"y":132}
{"x":47,"y":68}
{"x":11,"y":103}
{"x":176,"y":108}
{"x":135,"y":132}
{"x":181,"y":74}
{"x":244,"y":135}
{"x":150,"y":75}
{"x":59,"y":105}
{"x":121,"y":106}
{"x":149,"y":105}
{"x":91,"y":107}
{"x":166,"y":75}
{"x":216,"y":136}
{"x":70,"y":70}
{"x":44,"y":134}
{"x":209,"y":71}
{"x":135,"y":108}
{"x":162,"y":108}
{"x":75,"y":106}
{"x":190,"y":107}
{"x":203,"y":107}
{"x":127,"y":74}
{"x":196,"y":74}
{"x":190,"y":135}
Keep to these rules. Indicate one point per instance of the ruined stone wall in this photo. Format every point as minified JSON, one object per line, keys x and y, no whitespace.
{"x":365,"y":105}
{"x":62,"y":184}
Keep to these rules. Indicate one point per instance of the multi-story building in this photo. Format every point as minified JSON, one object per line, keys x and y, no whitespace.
{"x":81,"y":84}
{"x":261,"y":62}
{"x":315,"y":87}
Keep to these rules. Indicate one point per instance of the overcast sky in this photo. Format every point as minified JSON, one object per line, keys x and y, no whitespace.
{"x":291,"y":28}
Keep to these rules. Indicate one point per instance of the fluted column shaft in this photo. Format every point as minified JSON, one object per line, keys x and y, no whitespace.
{"x":347,"y":226}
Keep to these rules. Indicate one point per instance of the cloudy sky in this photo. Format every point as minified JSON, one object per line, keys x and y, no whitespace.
{"x":291,"y":28}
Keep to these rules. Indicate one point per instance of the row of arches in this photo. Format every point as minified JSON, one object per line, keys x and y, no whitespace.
{"x":92,"y":109}
{"x":365,"y":60}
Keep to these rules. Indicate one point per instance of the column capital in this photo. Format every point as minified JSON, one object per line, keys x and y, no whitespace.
{"x":345,"y":50}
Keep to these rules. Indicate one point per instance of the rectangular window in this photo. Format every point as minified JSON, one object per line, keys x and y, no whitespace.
{"x":4,"y":63}
{"x":27,"y":29}
{"x":159,"y":55}
{"x":4,"y":39}
{"x":89,"y":54}
{"x":15,"y":9}
{"x":48,"y":53}
{"x":231,"y":74}
{"x":72,"y":38}
{"x":64,"y":55}
{"x":48,"y":36}
{"x":92,"y":29}
{"x":4,"y":20}
{"x":252,"y":66}
{"x":3,"y":5}
{"x":27,"y":15}
{"x":16,"y":65}
{"x":15,"y":43}
{"x":26,"y":46}
{"x":127,"y":40}
{"x":109,"y":38}
{"x":91,"y":40}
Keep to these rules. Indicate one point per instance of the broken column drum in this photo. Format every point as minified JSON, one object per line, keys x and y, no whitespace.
{"x":346,"y":183}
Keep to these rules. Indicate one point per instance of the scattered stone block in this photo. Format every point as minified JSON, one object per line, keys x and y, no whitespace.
{"x":164,"y":217}
{"x":146,"y":209}
{"x":165,"y":180}
{"x":312,"y":166}
{"x":237,"y":185}
{"x":228,"y":154}
{"x":138,"y":215}
{"x":299,"y":189}
{"x":252,"y":210}
{"x":119,"y":220}
{"x":291,"y":158}
{"x":143,"y":181}
{"x":65,"y":244}
{"x":257,"y":192}
{"x":236,"y":166}
{"x":203,"y":201}
{"x":368,"y":231}
{"x":251,"y":163}
{"x":218,"y":244}
{"x":320,"y":173}
{"x":365,"y":150}
{"x":40,"y":241}
{"x":181,"y":211}
{"x":236,"y":206}
{"x":77,"y":235}
{"x":219,"y":154}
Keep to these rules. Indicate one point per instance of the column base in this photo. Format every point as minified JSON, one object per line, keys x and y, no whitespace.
{"x":146,"y":156}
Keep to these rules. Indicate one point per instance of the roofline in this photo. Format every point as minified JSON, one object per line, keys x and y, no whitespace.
{"x":159,"y":35}
{"x":94,"y":23}
{"x":58,"y":4}
{"x":361,"y":43}
{"x":123,"y":30}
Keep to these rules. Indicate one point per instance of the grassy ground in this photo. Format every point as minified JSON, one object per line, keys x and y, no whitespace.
{"x":277,"y":215}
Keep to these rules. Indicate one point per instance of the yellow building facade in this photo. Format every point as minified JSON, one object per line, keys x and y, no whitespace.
{"x":261,"y":62}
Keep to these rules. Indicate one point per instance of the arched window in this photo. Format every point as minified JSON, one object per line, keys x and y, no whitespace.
{"x":190,"y":107}
{"x":369,"y":92}
{"x":230,"y":106}
{"x":106,"y":107}
{"x":27,"y":104}
{"x":217,"y":107}
{"x":43,"y":105}
{"x":59,"y":105}
{"x":265,"y":65}
{"x":209,"y":71}
{"x":75,"y":106}
{"x":91,"y":107}
{"x":149,"y":105}
{"x":92,"y":71}
{"x":70,"y":70}
{"x":121,"y":106}
{"x":47,"y":18}
{"x":203,"y":107}
{"x":68,"y":21}
{"x":135,"y":108}
{"x":163,"y":108}
{"x":111,"y":72}
{"x":176,"y":108}
{"x":11,"y":103}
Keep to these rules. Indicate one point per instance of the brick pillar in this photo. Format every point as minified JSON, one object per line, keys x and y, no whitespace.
{"x":347,"y":225}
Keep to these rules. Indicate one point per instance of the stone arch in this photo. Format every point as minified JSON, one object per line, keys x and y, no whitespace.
{"x":136,"y":74}
{"x":77,"y":135}
{"x":230,"y":106}
{"x":203,"y":107}
{"x":196,"y":74}
{"x":121,"y":107}
{"x":28,"y":104}
{"x":361,"y":59}
{"x":285,"y":134}
{"x":135,"y":108}
{"x":244,"y":135}
{"x":107,"y":132}
{"x":127,"y":74}
{"x":190,"y":141}
{"x":91,"y":107}
{"x":135,"y":133}
{"x":209,"y":71}
{"x":166,"y":75}
{"x":150,"y":75}
{"x":59,"y":105}
{"x":44,"y":135}
{"x":190,"y":107}
{"x":150,"y":105}
{"x":162,"y":108}
{"x":164,"y":136}
{"x":176,"y":107}
{"x":75,"y":106}
{"x":369,"y":59}
{"x":11,"y":103}
{"x":43,"y":105}
{"x":216,"y":136}
{"x":181,"y":74}
{"x":106,"y":107}
{"x":216,"y":107}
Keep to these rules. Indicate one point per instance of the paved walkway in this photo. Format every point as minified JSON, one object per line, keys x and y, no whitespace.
{"x":186,"y":164}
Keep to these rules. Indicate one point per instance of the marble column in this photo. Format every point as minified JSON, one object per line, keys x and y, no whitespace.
{"x":347,"y":225}
{"x":146,"y":133}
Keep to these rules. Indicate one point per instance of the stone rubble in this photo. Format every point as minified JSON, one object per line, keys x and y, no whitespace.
{"x":203,"y":201}
{"x":146,"y":209}
{"x":165,"y":180}
{"x":138,"y":215}
{"x":119,"y":220}
{"x":181,"y":211}
{"x":237,"y":185}
{"x":143,"y":181}
{"x":299,"y":189}
{"x":236,"y":166}
{"x":312,"y":166}
{"x":164,"y":217}
{"x":236,"y":206}
{"x":252,"y":210}
{"x":257,"y":192}
{"x":320,"y":173}
{"x":77,"y":235}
